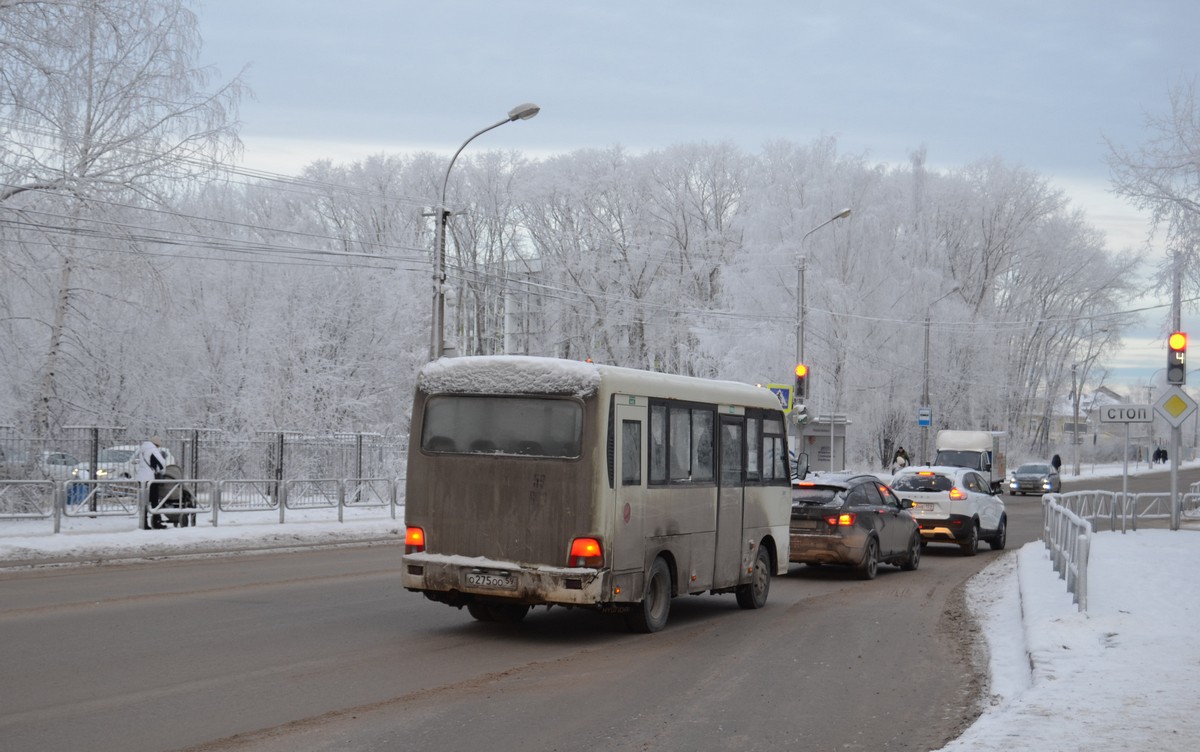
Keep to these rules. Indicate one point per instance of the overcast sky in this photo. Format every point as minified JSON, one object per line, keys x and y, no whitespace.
{"x":1039,"y":83}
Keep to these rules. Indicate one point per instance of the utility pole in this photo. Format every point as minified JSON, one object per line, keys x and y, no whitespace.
{"x":1075,"y":418}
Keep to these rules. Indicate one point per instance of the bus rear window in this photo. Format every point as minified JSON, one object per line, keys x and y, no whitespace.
{"x":519,"y":426}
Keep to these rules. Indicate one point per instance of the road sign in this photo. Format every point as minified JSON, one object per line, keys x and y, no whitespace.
{"x":924,"y":416}
{"x":1175,"y":405}
{"x":784,"y":393}
{"x":1126,"y":414}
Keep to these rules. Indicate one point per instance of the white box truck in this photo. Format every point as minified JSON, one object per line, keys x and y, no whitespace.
{"x":978,"y":450}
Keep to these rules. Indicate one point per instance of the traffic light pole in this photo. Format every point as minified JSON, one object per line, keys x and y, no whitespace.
{"x":924,"y":457}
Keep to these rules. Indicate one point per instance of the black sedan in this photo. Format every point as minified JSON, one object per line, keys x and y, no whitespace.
{"x":854,"y":520}
{"x":1035,"y":477}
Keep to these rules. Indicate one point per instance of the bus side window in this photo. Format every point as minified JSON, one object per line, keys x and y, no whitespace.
{"x":658,"y":444}
{"x":753,"y":437}
{"x":703,"y":444}
{"x":631,"y":453}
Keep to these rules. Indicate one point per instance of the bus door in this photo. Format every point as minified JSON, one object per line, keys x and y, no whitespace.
{"x":730,"y":498}
{"x":629,"y":482}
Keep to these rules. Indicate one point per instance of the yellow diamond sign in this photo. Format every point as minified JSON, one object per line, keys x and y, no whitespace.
{"x":1175,"y":405}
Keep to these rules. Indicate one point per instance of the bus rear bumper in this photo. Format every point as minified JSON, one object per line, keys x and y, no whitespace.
{"x":458,"y":580}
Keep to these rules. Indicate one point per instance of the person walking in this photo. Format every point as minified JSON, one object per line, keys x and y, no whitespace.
{"x":149,"y":467}
{"x":1056,"y":463}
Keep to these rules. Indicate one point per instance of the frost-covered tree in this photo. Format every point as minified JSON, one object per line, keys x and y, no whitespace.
{"x":102,"y":103}
{"x":1162,"y":176}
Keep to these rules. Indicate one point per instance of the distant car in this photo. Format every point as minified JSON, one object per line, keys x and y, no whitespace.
{"x":953,"y":505}
{"x":120,"y":462}
{"x":1035,"y":477}
{"x":58,"y":465}
{"x":852,"y":520}
{"x":40,"y":465}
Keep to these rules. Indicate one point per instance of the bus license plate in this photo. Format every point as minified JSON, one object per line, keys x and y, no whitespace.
{"x":498,"y":581}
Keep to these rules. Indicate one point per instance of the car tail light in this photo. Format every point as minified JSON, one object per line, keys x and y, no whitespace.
{"x":845,"y":519}
{"x":414,"y":540}
{"x":585,"y":552}
{"x":957,"y":494}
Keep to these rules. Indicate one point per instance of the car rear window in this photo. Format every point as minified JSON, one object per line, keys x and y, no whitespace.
{"x":815,"y":494}
{"x":922,"y":482}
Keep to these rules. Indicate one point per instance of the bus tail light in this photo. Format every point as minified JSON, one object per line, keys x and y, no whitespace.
{"x":586,"y":552}
{"x":414,"y":540}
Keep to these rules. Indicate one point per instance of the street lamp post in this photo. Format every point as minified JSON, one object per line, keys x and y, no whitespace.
{"x":924,"y":456}
{"x":800,"y":322}
{"x":800,"y":268}
{"x":437,"y":346}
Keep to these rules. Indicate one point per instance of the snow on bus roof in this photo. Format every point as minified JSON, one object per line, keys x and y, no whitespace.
{"x":509,"y":374}
{"x":527,"y":374}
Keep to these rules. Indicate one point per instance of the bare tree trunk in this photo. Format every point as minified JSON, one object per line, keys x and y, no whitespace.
{"x":41,"y":416}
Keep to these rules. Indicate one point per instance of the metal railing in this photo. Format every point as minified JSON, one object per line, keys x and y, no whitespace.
{"x":1068,"y":536}
{"x":188,"y":501}
{"x":1124,"y":511}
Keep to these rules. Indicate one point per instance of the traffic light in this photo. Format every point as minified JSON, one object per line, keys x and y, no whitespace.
{"x":1177,"y":358}
{"x":801,"y":391}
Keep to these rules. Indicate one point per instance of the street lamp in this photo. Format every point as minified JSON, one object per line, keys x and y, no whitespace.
{"x":800,"y":328}
{"x":437,"y":337}
{"x":800,"y":284}
{"x":924,"y":456}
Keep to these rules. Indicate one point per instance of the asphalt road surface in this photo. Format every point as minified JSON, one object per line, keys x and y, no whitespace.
{"x":322,"y":649}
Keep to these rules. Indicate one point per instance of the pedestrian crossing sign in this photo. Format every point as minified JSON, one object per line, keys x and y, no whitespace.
{"x":784,"y":393}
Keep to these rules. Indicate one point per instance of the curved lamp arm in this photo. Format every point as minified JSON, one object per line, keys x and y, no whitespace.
{"x":520,"y":112}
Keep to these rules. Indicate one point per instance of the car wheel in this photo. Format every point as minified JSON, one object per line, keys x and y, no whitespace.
{"x":870,"y":561}
{"x":970,"y":546}
{"x":753,"y":594}
{"x":1000,"y":539}
{"x":912,"y":559}
{"x":651,"y":614}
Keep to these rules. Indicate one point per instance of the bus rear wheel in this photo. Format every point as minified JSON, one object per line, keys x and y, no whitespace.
{"x":504,"y":613}
{"x":651,"y":614}
{"x":509,"y":613}
{"x":480,"y":612}
{"x":754,"y":593}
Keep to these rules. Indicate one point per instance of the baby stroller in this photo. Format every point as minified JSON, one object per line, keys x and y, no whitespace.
{"x":175,"y":497}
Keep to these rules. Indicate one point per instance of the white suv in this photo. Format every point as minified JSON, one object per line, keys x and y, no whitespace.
{"x":953,"y":505}
{"x":121,"y":461}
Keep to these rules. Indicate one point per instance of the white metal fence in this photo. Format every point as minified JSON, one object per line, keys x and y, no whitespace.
{"x":1068,"y":536}
{"x":187,"y":501}
{"x":1069,"y":519}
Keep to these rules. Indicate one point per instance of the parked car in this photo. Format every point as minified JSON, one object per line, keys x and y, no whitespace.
{"x":39,"y":465}
{"x":120,"y":462}
{"x":1035,"y":477}
{"x":953,"y":505}
{"x":852,"y":520}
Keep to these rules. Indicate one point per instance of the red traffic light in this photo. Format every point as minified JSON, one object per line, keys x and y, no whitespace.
{"x":801,"y":370}
{"x":1177,"y":341}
